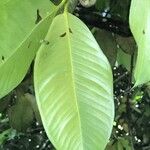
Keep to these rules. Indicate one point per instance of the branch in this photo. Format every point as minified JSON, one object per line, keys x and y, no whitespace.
{"x":128,"y":108}
{"x":106,"y":23}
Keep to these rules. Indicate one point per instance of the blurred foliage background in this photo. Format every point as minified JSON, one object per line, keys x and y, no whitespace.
{"x":20,"y":122}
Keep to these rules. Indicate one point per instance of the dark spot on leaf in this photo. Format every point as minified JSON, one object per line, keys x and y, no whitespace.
{"x":46,"y":42}
{"x":29,"y":44}
{"x":62,"y":35}
{"x":143,"y":31}
{"x":70,"y":30}
{"x":39,"y":18}
{"x":3,"y":58}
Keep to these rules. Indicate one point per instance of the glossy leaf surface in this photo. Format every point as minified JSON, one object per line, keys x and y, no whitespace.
{"x":140,"y":27}
{"x":73,"y":85}
{"x":20,"y":35}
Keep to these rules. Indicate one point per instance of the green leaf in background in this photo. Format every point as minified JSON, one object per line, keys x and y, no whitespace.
{"x":111,"y":146}
{"x":33,"y":103}
{"x":140,"y":27}
{"x":73,"y":85}
{"x":21,"y":114}
{"x":72,"y":5}
{"x":123,"y":59}
{"x":108,"y":44}
{"x":3,"y":135}
{"x":120,"y":144}
{"x":101,"y":5}
{"x":127,"y":44}
{"x":20,"y":37}
{"x":125,"y":143}
{"x":120,"y":9}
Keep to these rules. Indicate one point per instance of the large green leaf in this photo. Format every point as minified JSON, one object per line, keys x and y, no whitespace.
{"x":140,"y":27}
{"x":73,"y":85}
{"x":20,"y":35}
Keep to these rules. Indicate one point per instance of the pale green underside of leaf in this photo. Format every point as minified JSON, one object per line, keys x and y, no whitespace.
{"x":140,"y":27}
{"x":20,"y":38}
{"x":73,"y":85}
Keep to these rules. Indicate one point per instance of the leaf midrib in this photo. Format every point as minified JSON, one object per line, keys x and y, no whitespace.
{"x":72,"y":73}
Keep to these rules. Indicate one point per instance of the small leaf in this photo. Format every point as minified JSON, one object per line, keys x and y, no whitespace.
{"x":125,"y":143}
{"x":21,"y":114}
{"x":140,"y":27}
{"x":111,"y":146}
{"x":127,"y":44}
{"x":119,"y":145}
{"x":124,"y":59}
{"x":74,"y":92}
{"x":33,"y":103}
{"x":3,"y":135}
